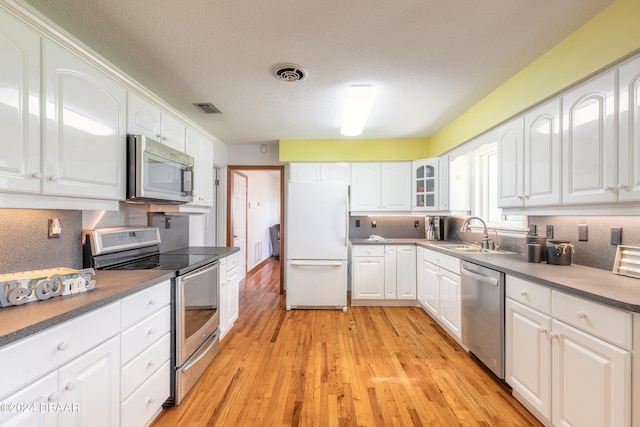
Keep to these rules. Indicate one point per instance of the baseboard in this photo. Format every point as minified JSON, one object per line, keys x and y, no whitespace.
{"x":259,"y":266}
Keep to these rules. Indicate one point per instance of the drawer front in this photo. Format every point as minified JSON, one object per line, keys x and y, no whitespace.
{"x":529,"y":293}
{"x":607,"y":323}
{"x":146,"y":402}
{"x":137,"y":338}
{"x":368,"y":250}
{"x":146,"y":364}
{"x":143,"y":303}
{"x":45,"y":351}
{"x":441,"y":260}
{"x":233,"y":261}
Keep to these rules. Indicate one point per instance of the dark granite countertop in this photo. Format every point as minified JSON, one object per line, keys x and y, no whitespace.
{"x":592,"y":283}
{"x":17,"y":322}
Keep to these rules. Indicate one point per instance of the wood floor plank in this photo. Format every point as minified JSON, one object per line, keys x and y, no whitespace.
{"x":369,"y":366}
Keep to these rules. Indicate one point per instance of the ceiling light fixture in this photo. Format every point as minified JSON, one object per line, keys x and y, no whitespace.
{"x":357,"y":106}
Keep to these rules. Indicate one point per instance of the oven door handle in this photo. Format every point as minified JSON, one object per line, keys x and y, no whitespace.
{"x":479,"y":277}
{"x":203,"y":353}
{"x":199,"y":273}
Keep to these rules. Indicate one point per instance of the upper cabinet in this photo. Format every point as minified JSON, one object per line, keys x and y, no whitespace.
{"x":83,"y":147}
{"x":144,"y":118}
{"x":429,"y":183}
{"x":20,"y":167}
{"x":629,"y":134}
{"x":380,"y":186}
{"x":201,"y":148}
{"x":529,"y":158}
{"x":589,"y":142}
{"x":320,"y":172}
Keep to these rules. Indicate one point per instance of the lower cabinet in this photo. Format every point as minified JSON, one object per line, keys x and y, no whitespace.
{"x":384,"y":272}
{"x":229,"y":292}
{"x":439,"y":290}
{"x":558,"y":361}
{"x":109,"y":367}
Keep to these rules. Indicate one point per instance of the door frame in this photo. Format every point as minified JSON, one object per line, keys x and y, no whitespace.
{"x":237,"y":168}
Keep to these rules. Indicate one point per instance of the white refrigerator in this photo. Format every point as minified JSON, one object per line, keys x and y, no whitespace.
{"x":316,"y":242}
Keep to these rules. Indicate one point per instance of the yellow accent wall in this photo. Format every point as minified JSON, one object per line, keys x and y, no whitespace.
{"x":612,"y":34}
{"x":334,"y":150}
{"x":608,"y":37}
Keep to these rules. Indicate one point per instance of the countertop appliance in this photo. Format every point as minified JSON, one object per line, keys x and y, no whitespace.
{"x":195,"y":293}
{"x":157,"y":173}
{"x":482,"y":297}
{"x":317,"y":239}
{"x":434,"y":227}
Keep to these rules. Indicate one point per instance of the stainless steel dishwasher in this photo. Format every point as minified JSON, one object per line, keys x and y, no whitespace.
{"x":483,"y":315}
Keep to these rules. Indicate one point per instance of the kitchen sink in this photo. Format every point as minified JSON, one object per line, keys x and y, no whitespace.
{"x":468,"y":248}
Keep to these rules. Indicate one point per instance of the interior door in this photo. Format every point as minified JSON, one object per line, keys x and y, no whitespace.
{"x":239,"y":218}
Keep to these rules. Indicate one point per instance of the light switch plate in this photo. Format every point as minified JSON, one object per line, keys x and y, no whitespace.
{"x":583,"y":232}
{"x":549,"y":231}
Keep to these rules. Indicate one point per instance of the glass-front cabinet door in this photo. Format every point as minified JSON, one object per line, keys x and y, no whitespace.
{"x":425,"y":185}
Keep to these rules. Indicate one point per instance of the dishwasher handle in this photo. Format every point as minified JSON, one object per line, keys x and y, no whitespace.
{"x":479,"y":277}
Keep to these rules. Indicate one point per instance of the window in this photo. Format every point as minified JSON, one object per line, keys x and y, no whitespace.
{"x":486,"y":191}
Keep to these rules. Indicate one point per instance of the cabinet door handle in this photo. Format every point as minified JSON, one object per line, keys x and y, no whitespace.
{"x":524,"y":294}
{"x":582,"y":315}
{"x":37,"y":175}
{"x":53,"y":397}
{"x":70,"y":385}
{"x":519,"y":197}
{"x":62,"y":346}
{"x":542,"y":330}
{"x":151,"y":400}
{"x":152,"y":301}
{"x":607,"y":188}
{"x":526,"y":197}
{"x":151,"y":331}
{"x":53,"y":178}
{"x":151,"y":363}
{"x":621,"y":186}
{"x":554,"y":335}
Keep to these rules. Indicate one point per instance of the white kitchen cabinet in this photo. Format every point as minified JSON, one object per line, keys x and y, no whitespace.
{"x":400,"y":272}
{"x":41,"y":392}
{"x":20,"y":167}
{"x":529,"y":158}
{"x":589,"y":142}
{"x":441,"y":275}
{"x":368,"y":272}
{"x":629,"y":132}
{"x":528,"y":356}
{"x":83,"y":150}
{"x":92,"y":383}
{"x":567,"y":359}
{"x":430,"y":189}
{"x":320,"y":172}
{"x":420,"y":282}
{"x":201,"y":148}
{"x":381,"y":186}
{"x":144,"y":118}
{"x":229,"y":292}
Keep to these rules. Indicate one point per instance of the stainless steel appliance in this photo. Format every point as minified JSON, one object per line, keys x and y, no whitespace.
{"x":482,"y":291}
{"x":195,"y":299}
{"x":434,"y":227}
{"x":157,"y":173}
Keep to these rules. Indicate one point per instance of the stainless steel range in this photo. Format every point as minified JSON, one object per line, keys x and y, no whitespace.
{"x":195,"y":293}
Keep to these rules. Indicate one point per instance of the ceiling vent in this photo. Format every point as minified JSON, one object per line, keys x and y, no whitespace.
{"x":208,"y":108}
{"x":289,"y":73}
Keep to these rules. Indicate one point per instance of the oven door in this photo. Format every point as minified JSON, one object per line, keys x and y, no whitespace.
{"x":197,"y":310}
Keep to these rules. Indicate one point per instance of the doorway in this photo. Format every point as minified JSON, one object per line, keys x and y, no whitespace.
{"x":244,"y":212}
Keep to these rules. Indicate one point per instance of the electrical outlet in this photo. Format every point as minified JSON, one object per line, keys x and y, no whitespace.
{"x":583,"y":232}
{"x":533,"y":229}
{"x":373,"y":224}
{"x":549,"y":231}
{"x":357,"y":223}
{"x":416,"y":224}
{"x":616,"y":235}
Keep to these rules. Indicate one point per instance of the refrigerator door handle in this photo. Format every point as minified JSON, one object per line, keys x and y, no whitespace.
{"x":346,"y":228}
{"x":317,"y":263}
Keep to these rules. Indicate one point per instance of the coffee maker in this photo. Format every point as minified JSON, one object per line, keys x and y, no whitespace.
{"x":434,"y":227}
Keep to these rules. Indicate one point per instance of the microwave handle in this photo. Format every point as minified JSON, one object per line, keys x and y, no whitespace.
{"x":187,"y":181}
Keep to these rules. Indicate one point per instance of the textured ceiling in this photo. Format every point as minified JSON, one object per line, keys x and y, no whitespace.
{"x":432,"y":59}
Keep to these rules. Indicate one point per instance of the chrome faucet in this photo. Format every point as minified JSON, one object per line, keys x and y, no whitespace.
{"x":486,"y":243}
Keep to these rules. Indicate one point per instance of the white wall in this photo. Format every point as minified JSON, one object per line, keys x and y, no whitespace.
{"x":250,"y":154}
{"x":263,"y":211}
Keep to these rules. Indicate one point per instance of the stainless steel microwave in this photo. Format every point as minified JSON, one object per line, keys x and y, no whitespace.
{"x":157,"y":173}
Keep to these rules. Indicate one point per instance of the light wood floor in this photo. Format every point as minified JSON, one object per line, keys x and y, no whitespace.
{"x":370,"y":366}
